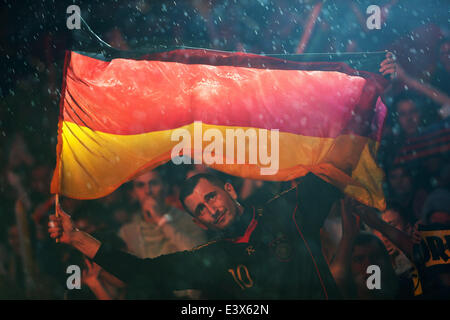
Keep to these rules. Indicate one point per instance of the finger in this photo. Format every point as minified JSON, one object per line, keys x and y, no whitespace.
{"x":63,"y":214}
{"x":388,"y":71}
{"x":60,"y":211}
{"x":55,"y":235}
{"x":53,"y":218}
{"x":54,"y":224}
{"x":88,"y":263}
{"x":56,"y":229}
{"x":386,"y":61}
{"x":387,"y":66}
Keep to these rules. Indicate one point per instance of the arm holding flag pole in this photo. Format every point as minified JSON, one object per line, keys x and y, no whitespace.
{"x":62,"y":229}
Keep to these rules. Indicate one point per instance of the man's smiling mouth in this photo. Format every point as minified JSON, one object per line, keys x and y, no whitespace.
{"x":220,"y":218}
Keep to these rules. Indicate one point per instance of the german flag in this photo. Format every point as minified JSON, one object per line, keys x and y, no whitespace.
{"x":118,"y":117}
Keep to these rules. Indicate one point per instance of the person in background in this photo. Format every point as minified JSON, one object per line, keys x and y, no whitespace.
{"x":359,"y":250}
{"x":436,"y":209}
{"x":404,"y":268}
{"x":400,"y":262}
{"x":158,"y":228}
{"x":355,"y":253}
{"x":409,"y":116}
{"x":368,"y":250}
{"x":406,"y":120}
{"x":404,"y":197}
{"x":436,"y":216}
{"x":437,"y":91}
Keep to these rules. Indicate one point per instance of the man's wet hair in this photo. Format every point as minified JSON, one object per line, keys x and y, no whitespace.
{"x":190,"y":184}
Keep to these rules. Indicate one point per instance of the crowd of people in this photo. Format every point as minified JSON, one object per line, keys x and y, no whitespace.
{"x":414,"y":153}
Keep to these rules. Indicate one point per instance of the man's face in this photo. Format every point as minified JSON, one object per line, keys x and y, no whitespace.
{"x":213,"y":207}
{"x":440,"y":217}
{"x":149,"y":185}
{"x":362,"y":257}
{"x":400,"y":182}
{"x":408,"y":116}
{"x":394,"y":219}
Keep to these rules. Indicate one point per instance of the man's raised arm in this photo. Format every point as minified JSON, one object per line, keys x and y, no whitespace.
{"x":123,"y":265}
{"x":399,"y":238}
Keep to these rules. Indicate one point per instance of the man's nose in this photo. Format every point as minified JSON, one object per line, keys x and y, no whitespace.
{"x":212,"y":210}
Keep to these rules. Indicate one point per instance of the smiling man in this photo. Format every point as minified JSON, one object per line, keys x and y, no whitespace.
{"x":272,"y":251}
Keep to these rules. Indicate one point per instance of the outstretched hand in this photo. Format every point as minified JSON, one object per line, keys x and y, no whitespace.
{"x":91,"y":273}
{"x":389,"y":66}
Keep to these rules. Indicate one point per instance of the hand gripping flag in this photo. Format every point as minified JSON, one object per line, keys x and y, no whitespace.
{"x":121,"y":116}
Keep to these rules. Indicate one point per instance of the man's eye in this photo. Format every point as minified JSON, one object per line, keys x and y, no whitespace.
{"x":200,"y":210}
{"x":211,"y":196}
